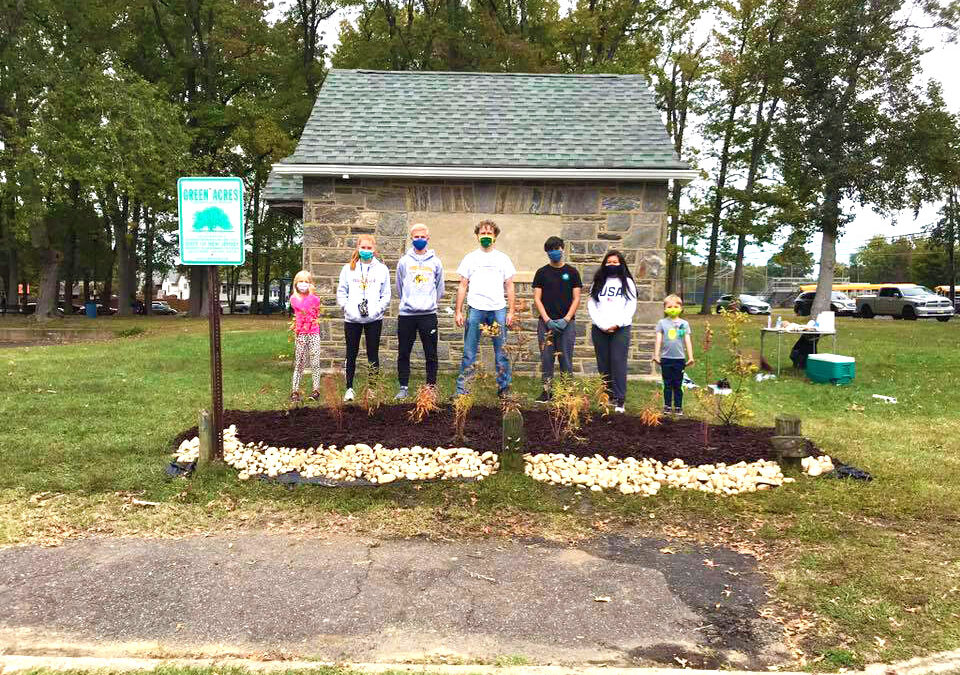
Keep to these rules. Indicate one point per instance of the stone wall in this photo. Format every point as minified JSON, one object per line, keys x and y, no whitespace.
{"x":590,"y":217}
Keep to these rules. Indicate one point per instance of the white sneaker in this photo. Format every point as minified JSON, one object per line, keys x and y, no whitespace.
{"x":619,"y":409}
{"x":349,"y":395}
{"x":402,"y":393}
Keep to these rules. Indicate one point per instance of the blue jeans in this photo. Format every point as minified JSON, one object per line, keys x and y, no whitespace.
{"x":471,"y":344}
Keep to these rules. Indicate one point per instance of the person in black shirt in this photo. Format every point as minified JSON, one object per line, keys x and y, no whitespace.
{"x":556,"y":294}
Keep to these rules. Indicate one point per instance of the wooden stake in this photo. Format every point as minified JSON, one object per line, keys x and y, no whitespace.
{"x":205,"y":432}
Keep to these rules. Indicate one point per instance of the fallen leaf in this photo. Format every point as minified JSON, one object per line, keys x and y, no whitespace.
{"x":710,"y":563}
{"x":667,"y":550}
{"x":881,"y":643}
{"x":601,"y":598}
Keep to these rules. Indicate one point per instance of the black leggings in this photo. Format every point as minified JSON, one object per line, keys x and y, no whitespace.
{"x":408,"y":327}
{"x":352,"y":332}
{"x":672,"y":371}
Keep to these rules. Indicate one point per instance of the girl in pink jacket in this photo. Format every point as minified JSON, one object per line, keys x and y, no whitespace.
{"x":306,"y":309}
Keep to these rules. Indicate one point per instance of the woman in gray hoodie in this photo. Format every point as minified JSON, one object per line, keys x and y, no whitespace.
{"x":419,"y":289}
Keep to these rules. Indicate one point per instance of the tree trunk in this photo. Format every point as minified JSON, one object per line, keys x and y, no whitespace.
{"x":717,"y":212}
{"x":149,"y":220}
{"x":738,"y":266}
{"x":47,"y":293}
{"x":70,"y":255}
{"x":672,"y":251}
{"x":254,"y":224}
{"x":197,"y":275}
{"x":952,"y":245}
{"x":266,"y":267}
{"x":86,"y":288}
{"x":210,"y":302}
{"x":828,"y":251}
{"x":119,"y":208}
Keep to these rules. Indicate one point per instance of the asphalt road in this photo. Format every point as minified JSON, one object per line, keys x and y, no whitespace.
{"x":610,"y":600}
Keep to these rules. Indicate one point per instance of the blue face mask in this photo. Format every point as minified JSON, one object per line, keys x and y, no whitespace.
{"x":419,"y":244}
{"x":366,"y":256}
{"x":555,"y":256}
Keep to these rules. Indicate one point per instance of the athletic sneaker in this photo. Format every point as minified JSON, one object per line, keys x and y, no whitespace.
{"x":503,"y":393}
{"x":678,"y":412}
{"x":295,"y":397}
{"x":544,"y":397}
{"x":314,"y":395}
{"x":349,"y":395}
{"x":402,"y":393}
{"x":667,"y":410}
{"x":619,"y":409}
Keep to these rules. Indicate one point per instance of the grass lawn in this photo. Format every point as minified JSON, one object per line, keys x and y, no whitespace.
{"x":861,"y":572}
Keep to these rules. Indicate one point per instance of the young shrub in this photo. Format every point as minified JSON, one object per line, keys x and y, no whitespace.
{"x":652,"y":413}
{"x":461,"y":409}
{"x":424,"y":403}
{"x":573,"y":403}
{"x":374,"y":390}
{"x":732,"y":408}
{"x":332,"y":398}
{"x":595,"y":387}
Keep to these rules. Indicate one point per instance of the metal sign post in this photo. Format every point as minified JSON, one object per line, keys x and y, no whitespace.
{"x":216,"y":367}
{"x":211,"y":234}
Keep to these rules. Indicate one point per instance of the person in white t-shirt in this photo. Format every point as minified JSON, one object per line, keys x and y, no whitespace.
{"x":486,"y":283}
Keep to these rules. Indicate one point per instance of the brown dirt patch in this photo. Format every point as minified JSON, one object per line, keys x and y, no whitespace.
{"x":625,"y":436}
{"x":618,"y":435}
{"x":311,"y":426}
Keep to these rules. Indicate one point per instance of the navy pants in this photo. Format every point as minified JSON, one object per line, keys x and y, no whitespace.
{"x":672,"y":371}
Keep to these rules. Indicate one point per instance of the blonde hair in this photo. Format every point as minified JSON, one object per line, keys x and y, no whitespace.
{"x":673,"y":298}
{"x":356,"y":251}
{"x":303,"y":275}
{"x":419,"y":226}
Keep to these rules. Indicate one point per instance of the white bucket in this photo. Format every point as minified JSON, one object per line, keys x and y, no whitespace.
{"x":826,"y":322}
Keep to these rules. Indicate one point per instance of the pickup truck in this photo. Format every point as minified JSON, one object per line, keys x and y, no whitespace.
{"x":905,"y":301}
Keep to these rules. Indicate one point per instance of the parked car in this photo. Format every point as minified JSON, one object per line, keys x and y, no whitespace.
{"x":162,"y":307}
{"x":239,"y":307}
{"x":905,"y":301}
{"x":750,"y":304}
{"x":840,"y":304}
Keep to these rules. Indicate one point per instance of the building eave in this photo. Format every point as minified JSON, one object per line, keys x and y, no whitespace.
{"x":479,"y":172}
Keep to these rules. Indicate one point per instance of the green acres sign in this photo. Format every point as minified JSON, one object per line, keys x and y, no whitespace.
{"x":211,"y":221}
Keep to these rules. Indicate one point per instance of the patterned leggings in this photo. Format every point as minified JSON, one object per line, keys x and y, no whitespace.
{"x":306,"y":343}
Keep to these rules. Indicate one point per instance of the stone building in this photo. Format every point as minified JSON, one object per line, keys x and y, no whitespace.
{"x":585,"y":157}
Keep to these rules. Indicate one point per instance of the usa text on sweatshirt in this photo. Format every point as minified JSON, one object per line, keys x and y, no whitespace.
{"x":613,"y":308}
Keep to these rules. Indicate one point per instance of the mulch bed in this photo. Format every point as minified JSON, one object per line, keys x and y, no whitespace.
{"x":679,"y":438}
{"x":617,"y":435}
{"x":309,"y":426}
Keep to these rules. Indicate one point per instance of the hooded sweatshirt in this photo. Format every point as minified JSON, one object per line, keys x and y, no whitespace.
{"x":306,"y":308}
{"x":613,"y":308}
{"x":419,"y":282}
{"x":369,"y":280}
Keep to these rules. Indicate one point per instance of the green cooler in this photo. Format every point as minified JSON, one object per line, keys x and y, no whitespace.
{"x":831,"y":368}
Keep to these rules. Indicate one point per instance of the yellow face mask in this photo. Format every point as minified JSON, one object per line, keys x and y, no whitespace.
{"x":673,"y":312}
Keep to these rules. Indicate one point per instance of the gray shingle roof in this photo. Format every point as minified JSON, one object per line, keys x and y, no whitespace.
{"x":409,"y":118}
{"x":283,"y":188}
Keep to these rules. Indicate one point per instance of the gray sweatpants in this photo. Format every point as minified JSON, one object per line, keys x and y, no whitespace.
{"x":611,"y":350}
{"x":554,"y":343}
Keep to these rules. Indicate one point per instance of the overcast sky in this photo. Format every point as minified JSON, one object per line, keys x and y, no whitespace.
{"x":939,"y":64}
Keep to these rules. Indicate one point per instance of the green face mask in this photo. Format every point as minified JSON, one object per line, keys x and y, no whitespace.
{"x":487,"y":241}
{"x":366,"y":256}
{"x":673,"y":312}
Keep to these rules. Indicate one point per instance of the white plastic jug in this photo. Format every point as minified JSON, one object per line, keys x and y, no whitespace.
{"x":826,"y":322}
